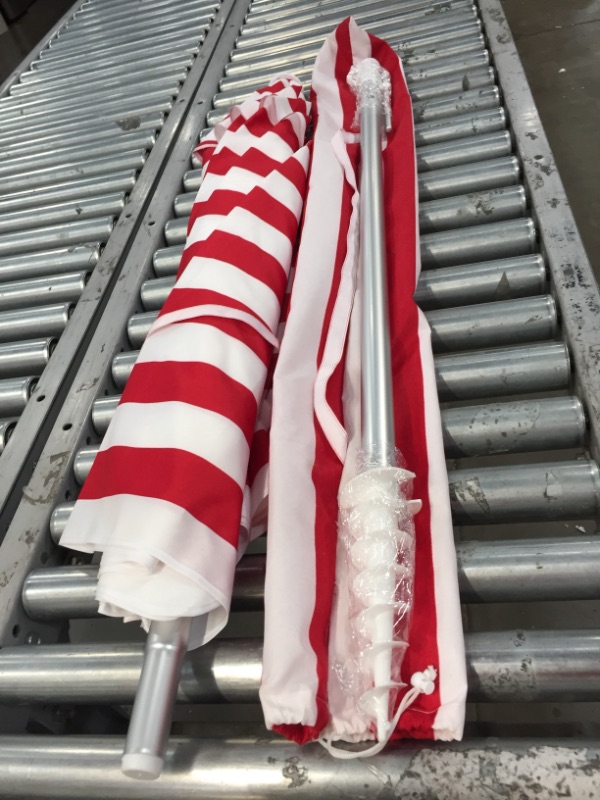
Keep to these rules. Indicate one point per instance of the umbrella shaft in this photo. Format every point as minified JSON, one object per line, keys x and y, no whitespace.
{"x":166,"y":647}
{"x":377,"y":400}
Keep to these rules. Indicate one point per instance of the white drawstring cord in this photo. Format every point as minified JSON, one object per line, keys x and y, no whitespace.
{"x":422,"y":683}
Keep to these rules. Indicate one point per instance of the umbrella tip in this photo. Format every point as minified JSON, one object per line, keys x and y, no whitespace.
{"x":141,"y":766}
{"x":372,"y":85}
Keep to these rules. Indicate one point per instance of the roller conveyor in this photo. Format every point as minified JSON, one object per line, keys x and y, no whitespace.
{"x":515,"y":318}
{"x":76,"y":166}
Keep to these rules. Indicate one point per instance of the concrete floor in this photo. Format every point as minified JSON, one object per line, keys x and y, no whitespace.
{"x":558,"y":44}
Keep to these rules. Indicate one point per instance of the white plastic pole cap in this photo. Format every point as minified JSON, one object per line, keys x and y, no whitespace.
{"x":141,"y":766}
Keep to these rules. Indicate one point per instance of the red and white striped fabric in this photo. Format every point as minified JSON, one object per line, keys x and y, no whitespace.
{"x":181,"y":471}
{"x":315,"y":432}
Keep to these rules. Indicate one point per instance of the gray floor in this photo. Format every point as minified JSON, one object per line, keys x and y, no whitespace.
{"x":558,"y":41}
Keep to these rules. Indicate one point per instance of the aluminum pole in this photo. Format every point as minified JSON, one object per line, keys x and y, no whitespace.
{"x":377,"y":400}
{"x":150,"y":723}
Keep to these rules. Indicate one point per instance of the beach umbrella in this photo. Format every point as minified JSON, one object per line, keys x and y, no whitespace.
{"x":176,"y":489}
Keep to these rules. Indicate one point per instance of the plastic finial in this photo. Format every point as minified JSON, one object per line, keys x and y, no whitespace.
{"x":372,"y":85}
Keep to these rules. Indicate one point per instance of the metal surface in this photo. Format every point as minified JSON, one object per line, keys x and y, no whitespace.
{"x":377,"y":414}
{"x":421,"y":89}
{"x":469,"y":178}
{"x":524,"y":426}
{"x":33,"y":768}
{"x":525,"y":570}
{"x":488,"y":572}
{"x":69,"y":592}
{"x":79,"y":189}
{"x":415,"y":58}
{"x":504,"y":371}
{"x":22,"y":154}
{"x":392,"y":25}
{"x":525,"y":492}
{"x":97,"y":230}
{"x":445,"y":130}
{"x":155,"y":694}
{"x":529,"y":319}
{"x":574,"y":285}
{"x":39,"y":291}
{"x":479,"y":243}
{"x":31,"y":323}
{"x":441,"y":76}
{"x":502,"y":279}
{"x":472,"y":209}
{"x":483,"y":241}
{"x":25,"y":358}
{"x":552,"y":491}
{"x":49,"y":262}
{"x":501,"y":323}
{"x":14,"y":394}
{"x":560,"y":665}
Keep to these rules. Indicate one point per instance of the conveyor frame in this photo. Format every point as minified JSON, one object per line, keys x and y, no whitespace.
{"x":195,"y":768}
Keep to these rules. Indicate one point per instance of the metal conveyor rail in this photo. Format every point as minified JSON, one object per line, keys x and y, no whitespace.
{"x":515,"y":317}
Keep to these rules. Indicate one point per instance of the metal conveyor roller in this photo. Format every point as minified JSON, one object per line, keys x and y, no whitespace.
{"x":515,"y":319}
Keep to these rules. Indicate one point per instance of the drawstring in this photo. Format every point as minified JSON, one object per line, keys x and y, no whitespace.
{"x":422,"y":683}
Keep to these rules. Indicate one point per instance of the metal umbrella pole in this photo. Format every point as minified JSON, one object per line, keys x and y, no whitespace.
{"x":375,"y":507}
{"x":150,"y":722}
{"x":378,"y":436}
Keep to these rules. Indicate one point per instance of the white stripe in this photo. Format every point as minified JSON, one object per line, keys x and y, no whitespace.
{"x":220,"y":312}
{"x":288,"y":691}
{"x":244,"y":180}
{"x":181,"y":426}
{"x":340,"y":317}
{"x":246,"y":225}
{"x":191,"y":341}
{"x":218,"y":276}
{"x":450,"y":717}
{"x":269,"y":143}
{"x":159,"y":577}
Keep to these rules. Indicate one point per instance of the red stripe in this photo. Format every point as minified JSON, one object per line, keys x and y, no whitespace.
{"x":260,"y":164}
{"x":182,"y":299}
{"x":260,"y":124}
{"x":175,"y":476}
{"x":258,"y":202}
{"x":197,"y":384}
{"x":237,"y":330}
{"x":259,"y":455}
{"x":240,"y":253}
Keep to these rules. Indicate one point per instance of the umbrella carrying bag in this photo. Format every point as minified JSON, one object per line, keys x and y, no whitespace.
{"x":314,"y":607}
{"x":257,"y":359}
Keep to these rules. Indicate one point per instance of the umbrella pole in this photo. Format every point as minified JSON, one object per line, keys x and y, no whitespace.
{"x":378,"y":437}
{"x":150,"y":722}
{"x":371,"y":83}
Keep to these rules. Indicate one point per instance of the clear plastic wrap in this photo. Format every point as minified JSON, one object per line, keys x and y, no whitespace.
{"x":376,"y":532}
{"x":371,"y":83}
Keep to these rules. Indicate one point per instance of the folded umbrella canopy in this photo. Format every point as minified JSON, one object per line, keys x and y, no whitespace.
{"x":310,"y":637}
{"x":180,"y":474}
